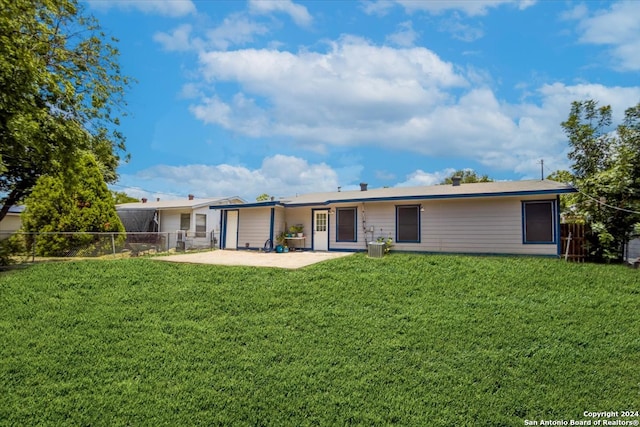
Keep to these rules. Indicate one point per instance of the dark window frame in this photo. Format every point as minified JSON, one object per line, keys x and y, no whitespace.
{"x":182,"y":221}
{"x":532,"y":232}
{"x":401,"y":236}
{"x":201,"y":230}
{"x":340,"y":227}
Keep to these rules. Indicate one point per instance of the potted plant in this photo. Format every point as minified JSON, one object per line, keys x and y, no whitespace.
{"x":297,"y":230}
{"x":281,"y":239}
{"x":388,"y":243}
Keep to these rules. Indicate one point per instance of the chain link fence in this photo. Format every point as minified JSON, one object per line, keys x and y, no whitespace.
{"x":20,"y":247}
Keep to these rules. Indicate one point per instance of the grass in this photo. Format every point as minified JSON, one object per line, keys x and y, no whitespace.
{"x":404,"y":340}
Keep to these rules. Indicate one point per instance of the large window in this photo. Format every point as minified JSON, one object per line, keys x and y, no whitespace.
{"x":539,"y":221}
{"x":201,"y":225}
{"x":408,"y":224}
{"x":185,"y":221}
{"x":346,"y":224}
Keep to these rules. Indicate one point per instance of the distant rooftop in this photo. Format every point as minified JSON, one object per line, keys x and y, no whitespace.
{"x":190,"y":202}
{"x":17,"y":209}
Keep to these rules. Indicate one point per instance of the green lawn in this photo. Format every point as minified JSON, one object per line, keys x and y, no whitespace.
{"x":407,"y":340}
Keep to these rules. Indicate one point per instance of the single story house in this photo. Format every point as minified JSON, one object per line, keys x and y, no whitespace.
{"x":517,"y":217}
{"x":188,"y":221}
{"x":12,"y":221}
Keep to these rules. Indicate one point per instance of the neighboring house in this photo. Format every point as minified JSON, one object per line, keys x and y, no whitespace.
{"x":519,"y":217}
{"x":11,"y":222}
{"x":189,"y":220}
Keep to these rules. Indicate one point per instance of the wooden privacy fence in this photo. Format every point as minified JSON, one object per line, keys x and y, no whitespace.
{"x":574,"y":242}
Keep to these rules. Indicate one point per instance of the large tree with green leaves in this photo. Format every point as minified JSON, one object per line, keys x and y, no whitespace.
{"x":606,"y":171}
{"x":76,"y":200}
{"x":568,"y":202}
{"x":120,"y":197}
{"x":467,"y":176}
{"x":62,"y":94}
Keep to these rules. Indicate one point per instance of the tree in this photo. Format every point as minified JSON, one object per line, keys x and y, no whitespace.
{"x":568,"y":202}
{"x":606,"y":170}
{"x":78,"y":201}
{"x":469,"y":176}
{"x":263,"y":197}
{"x":62,"y":94}
{"x":120,"y":197}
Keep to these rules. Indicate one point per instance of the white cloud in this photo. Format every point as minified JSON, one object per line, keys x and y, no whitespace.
{"x":327,"y":97}
{"x":190,"y":91}
{"x":468,"y":7}
{"x":408,"y":99}
{"x":379,"y":7}
{"x":580,"y":11}
{"x":236,"y":29}
{"x":298,"y":13}
{"x":178,"y":40}
{"x":405,"y":36}
{"x":241,"y":115}
{"x":171,"y":8}
{"x":420,"y":178}
{"x":279,"y":176}
{"x":460,"y":30}
{"x":617,"y":27}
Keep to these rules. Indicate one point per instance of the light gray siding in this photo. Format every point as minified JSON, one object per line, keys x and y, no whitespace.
{"x":360,"y":243}
{"x":170,"y":223}
{"x":295,"y":216}
{"x":477,"y":226}
{"x":279,"y":223}
{"x":482,"y":225}
{"x":254,"y":227}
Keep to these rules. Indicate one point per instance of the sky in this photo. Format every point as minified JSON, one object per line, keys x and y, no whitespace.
{"x":241,"y":98}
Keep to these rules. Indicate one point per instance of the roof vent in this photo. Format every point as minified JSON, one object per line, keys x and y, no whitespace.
{"x":144,"y":200}
{"x":191,"y":196}
{"x":363,"y":186}
{"x":455,"y":180}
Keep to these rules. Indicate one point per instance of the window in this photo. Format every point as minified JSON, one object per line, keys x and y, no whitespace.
{"x":408,"y":224}
{"x":201,"y":225}
{"x":321,"y":221}
{"x":346,"y":224}
{"x":185,"y":221}
{"x":539,"y":221}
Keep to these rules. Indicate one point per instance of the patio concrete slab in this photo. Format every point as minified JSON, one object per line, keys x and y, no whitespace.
{"x":291,"y":260}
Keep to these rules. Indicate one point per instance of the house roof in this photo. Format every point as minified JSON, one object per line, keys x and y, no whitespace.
{"x":180,"y":204}
{"x":484,"y":189}
{"x":481,"y":189}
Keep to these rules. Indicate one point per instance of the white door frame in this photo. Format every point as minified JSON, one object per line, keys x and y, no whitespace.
{"x":320,"y":237}
{"x":231,"y":229}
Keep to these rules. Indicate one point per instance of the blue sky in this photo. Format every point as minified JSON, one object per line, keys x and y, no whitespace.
{"x":289,"y":97}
